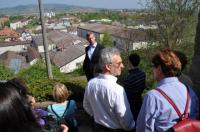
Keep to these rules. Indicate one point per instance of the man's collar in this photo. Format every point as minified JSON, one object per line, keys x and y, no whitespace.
{"x":108,"y":76}
{"x":93,"y":45}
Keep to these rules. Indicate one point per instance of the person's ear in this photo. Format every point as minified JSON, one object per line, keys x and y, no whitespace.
{"x":160,"y":71}
{"x":107,"y":67}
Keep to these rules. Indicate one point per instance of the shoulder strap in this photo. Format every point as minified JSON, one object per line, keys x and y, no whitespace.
{"x":64,"y":111}
{"x":68,"y":104}
{"x":54,"y":111}
{"x":181,"y":116}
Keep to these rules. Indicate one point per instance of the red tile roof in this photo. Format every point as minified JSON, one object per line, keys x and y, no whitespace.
{"x":7,"y":32}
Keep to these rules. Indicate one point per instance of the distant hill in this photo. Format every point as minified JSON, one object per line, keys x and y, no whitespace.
{"x":33,"y":9}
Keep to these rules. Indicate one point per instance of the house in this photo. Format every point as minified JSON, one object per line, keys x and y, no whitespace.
{"x":15,"y":24}
{"x":8,"y":34}
{"x":66,"y":22}
{"x":123,"y":38}
{"x":13,"y":60}
{"x":32,"y":55}
{"x":19,"y":24}
{"x":17,"y":61}
{"x":67,"y":51}
{"x":50,"y":14}
{"x":69,"y":59}
{"x":24,"y":22}
{"x":38,"y":44}
{"x":16,"y":46}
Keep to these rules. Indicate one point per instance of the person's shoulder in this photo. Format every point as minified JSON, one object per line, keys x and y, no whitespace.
{"x":100,"y":45}
{"x":87,"y":47}
{"x":119,"y":88}
{"x":72,"y":101}
{"x":141,"y":70}
{"x":152,"y":94}
{"x":49,"y":107}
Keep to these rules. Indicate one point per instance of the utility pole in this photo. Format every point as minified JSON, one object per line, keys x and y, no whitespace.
{"x":46,"y":50}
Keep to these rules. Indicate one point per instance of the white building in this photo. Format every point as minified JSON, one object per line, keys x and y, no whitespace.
{"x":67,"y":51}
{"x":14,"y":46}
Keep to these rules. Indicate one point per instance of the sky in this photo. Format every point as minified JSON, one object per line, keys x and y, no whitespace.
{"x":111,"y":4}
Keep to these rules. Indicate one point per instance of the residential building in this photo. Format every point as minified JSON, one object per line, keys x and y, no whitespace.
{"x":16,"y":46}
{"x":8,"y":34}
{"x":123,"y":38}
{"x":67,"y":51}
{"x":13,"y":60}
{"x":68,"y":59}
{"x":50,"y":14}
{"x":17,"y":61}
{"x":19,"y":24}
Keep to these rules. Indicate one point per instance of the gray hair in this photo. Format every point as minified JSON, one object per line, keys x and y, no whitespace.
{"x":106,"y":57}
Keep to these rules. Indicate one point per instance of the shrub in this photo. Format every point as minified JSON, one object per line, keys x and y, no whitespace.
{"x":41,"y":87}
{"x":5,"y":73}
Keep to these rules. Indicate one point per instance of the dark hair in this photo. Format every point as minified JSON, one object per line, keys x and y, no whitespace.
{"x":88,"y":34}
{"x":182,"y":57}
{"x":15,"y":113}
{"x":134,"y":59}
{"x":20,"y":85}
{"x":168,"y":61}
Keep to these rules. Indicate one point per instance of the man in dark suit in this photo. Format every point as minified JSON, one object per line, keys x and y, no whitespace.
{"x":92,"y":52}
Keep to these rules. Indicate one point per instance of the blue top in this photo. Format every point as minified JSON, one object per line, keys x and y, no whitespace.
{"x":60,"y":109}
{"x":157,"y":114}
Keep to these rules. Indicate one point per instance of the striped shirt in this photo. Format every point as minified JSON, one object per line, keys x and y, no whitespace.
{"x":134,"y":85}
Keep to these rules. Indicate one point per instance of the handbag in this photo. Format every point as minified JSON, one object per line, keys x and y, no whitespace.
{"x":184,"y":124}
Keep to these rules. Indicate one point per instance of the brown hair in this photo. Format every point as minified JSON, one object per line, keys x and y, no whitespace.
{"x":60,"y":93}
{"x":169,"y":62}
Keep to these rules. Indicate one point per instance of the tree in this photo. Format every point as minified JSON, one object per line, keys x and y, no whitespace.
{"x":171,"y":17}
{"x":194,"y":71}
{"x":107,"y":40}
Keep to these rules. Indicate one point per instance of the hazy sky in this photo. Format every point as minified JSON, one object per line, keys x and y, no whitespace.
{"x":113,"y":4}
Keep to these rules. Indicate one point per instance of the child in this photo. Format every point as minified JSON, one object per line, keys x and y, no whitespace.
{"x":39,"y":113}
{"x":63,"y":108}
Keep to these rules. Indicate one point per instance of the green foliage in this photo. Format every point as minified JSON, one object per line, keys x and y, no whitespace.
{"x":32,"y":24}
{"x":107,"y":40}
{"x":77,"y":72}
{"x":13,"y":18}
{"x":77,"y":87}
{"x":41,"y":87}
{"x":172,"y":19}
{"x":7,"y":23}
{"x":112,"y":15}
{"x":5,"y":73}
{"x":146,"y":55}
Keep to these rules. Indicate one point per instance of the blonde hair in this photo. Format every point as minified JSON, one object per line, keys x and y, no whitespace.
{"x":60,"y":93}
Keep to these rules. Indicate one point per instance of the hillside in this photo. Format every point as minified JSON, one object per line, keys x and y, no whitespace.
{"x":33,"y":9}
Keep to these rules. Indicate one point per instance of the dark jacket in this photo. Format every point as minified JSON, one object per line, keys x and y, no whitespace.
{"x":88,"y":65}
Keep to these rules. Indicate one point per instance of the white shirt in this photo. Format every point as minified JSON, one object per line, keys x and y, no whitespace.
{"x":91,"y":50}
{"x":157,"y":114}
{"x":106,"y":101}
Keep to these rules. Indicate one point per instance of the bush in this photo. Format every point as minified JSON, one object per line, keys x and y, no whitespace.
{"x":41,"y":87}
{"x":5,"y":73}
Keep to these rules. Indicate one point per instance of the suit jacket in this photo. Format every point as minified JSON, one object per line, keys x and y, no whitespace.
{"x":88,"y":65}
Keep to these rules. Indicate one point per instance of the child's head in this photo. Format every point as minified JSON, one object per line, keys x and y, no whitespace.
{"x":134,"y":59}
{"x":31,"y":101}
{"x":60,"y":93}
